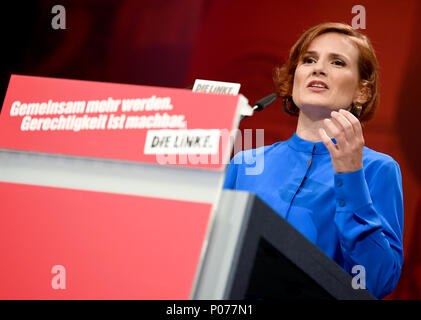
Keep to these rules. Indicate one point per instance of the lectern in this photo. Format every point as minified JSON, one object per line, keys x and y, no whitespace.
{"x":113,"y":191}
{"x":253,"y":253}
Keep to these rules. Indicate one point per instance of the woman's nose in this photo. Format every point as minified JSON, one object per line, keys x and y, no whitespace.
{"x":319,"y":72}
{"x":318,"y":69}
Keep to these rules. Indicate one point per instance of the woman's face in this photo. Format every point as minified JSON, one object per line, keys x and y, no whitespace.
{"x":327,"y":77}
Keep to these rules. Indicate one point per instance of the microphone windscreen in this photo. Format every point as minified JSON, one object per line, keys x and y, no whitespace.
{"x":265,"y":102}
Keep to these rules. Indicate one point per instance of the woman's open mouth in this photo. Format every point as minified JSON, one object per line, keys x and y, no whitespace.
{"x":317,"y":86}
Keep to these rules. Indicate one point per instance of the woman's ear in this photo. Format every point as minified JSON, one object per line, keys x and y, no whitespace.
{"x":363,"y":93}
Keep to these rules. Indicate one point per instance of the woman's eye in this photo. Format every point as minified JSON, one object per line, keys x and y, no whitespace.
{"x":309,"y":60}
{"x":339,"y":63}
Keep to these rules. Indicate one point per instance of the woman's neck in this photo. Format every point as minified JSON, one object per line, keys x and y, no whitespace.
{"x":308,"y":126}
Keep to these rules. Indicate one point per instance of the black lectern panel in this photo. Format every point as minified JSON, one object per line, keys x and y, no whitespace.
{"x":278,"y":262}
{"x":274,"y":276}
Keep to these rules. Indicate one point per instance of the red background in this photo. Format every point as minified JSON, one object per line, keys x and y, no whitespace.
{"x":171,"y":43}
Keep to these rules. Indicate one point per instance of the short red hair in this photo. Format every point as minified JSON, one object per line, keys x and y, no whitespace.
{"x":367,"y":65}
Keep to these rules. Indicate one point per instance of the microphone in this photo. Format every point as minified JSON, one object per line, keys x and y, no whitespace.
{"x":263,"y":103}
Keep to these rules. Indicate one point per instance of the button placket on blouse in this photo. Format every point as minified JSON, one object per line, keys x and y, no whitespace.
{"x":305,"y":174}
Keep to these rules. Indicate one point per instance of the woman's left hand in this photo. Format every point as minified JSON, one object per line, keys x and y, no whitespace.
{"x":347,"y":153}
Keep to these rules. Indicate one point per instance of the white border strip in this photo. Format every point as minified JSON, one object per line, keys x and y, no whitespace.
{"x":131,"y":178}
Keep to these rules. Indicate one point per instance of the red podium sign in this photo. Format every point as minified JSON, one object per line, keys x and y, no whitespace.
{"x":117,"y":121}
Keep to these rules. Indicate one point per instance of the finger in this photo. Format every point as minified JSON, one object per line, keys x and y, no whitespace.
{"x":331,"y":147}
{"x":345,"y":124}
{"x":355,"y":124}
{"x":335,"y":132}
{"x":331,"y":128}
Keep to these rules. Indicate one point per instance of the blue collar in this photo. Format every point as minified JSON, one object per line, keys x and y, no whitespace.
{"x":301,"y":145}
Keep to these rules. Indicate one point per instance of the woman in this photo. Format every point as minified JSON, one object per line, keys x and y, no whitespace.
{"x":343,"y":196}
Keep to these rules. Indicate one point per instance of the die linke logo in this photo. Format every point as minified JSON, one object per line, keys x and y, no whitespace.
{"x":197,"y":141}
{"x":216,"y":87}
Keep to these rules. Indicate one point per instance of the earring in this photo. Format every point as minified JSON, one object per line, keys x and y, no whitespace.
{"x":356,"y":109}
{"x":293,"y":109}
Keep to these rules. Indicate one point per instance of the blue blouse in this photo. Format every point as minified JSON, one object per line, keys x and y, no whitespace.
{"x":356,"y":218}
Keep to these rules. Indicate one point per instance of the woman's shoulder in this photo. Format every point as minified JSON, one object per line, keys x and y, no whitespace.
{"x":263,"y":151}
{"x":373,"y":155}
{"x":374,"y":160}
